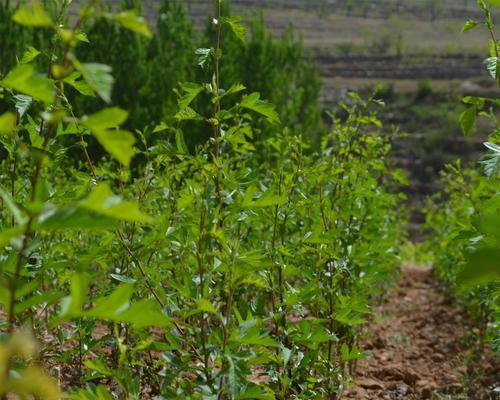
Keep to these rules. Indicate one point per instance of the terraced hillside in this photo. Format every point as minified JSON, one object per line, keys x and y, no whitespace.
{"x":409,"y":47}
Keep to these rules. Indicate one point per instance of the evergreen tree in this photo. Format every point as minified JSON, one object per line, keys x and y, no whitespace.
{"x":170,"y":61}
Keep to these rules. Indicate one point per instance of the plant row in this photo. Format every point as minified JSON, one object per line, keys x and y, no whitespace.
{"x":242,"y":269}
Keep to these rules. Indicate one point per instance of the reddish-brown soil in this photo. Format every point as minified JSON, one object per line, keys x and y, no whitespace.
{"x":420,"y":349}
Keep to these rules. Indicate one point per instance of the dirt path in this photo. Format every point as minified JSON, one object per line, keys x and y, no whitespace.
{"x":419,"y":348}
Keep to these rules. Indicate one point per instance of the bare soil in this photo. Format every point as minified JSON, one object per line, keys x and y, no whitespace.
{"x":420,"y":345}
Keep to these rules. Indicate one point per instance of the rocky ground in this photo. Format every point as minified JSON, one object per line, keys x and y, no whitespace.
{"x":420,"y":348}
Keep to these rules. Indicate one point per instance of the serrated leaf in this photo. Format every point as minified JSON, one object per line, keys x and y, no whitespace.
{"x":491,"y":161}
{"x":188,"y":114}
{"x":204,"y":55}
{"x":131,"y":21}
{"x":29,"y":55}
{"x":22,"y":104}
{"x":79,"y":84}
{"x":118,"y":143}
{"x":239,"y":30}
{"x":493,"y":66}
{"x":99,"y":78}
{"x":254,"y":103}
{"x":103,"y":201}
{"x":34,"y":16}
{"x":191,"y":91}
{"x":470,"y":24}
{"x":236,"y":88}
{"x":24,"y":79}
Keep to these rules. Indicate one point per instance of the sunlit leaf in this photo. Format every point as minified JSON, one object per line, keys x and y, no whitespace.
{"x":483,"y":266}
{"x":118,"y":143}
{"x":191,"y":91}
{"x":238,"y":29}
{"x":131,"y":21}
{"x":102,"y":201}
{"x":24,"y":79}
{"x":79,"y":84}
{"x":34,"y":16}
{"x":29,"y":55}
{"x":99,"y":78}
{"x":254,"y":103}
{"x":7,"y":123}
{"x":470,"y":24}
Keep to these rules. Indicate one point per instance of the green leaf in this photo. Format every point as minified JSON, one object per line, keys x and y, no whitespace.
{"x":491,"y":161}
{"x":8,"y":234}
{"x":35,"y":16}
{"x":118,"y":308}
{"x":237,"y":27}
{"x":99,"y":78}
{"x":29,"y":55}
{"x":80,"y":85}
{"x":24,"y":79}
{"x":118,"y":143}
{"x":100,"y":367}
{"x":180,"y":143}
{"x":73,"y":217}
{"x":354,"y":354}
{"x":72,"y":305}
{"x":91,"y":392}
{"x":188,"y":114}
{"x":46,"y":298}
{"x":493,"y":66}
{"x":22,"y":104}
{"x":203,"y":306}
{"x":123,"y":278}
{"x":253,"y":102}
{"x":268,"y":199}
{"x":131,"y":21}
{"x":191,"y":91}
{"x":11,"y":205}
{"x":144,"y":313}
{"x":467,"y":120}
{"x":7,"y":123}
{"x":107,"y":118}
{"x":102,"y":201}
{"x":483,"y":266}
{"x":100,"y":210}
{"x":254,"y":392}
{"x":109,"y":307}
{"x":204,"y":56}
{"x":470,"y":24}
{"x":236,"y":88}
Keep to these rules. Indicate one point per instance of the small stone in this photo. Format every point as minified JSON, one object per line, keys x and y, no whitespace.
{"x":437,"y":357}
{"x":371,"y":384}
{"x":401,"y":390}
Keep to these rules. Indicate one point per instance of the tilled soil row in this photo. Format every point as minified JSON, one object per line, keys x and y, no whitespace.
{"x":421,"y":349}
